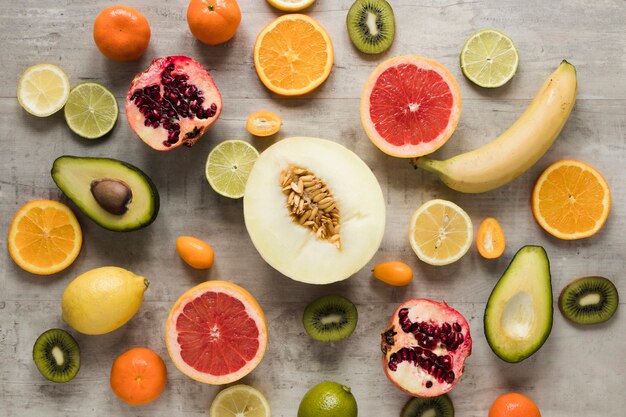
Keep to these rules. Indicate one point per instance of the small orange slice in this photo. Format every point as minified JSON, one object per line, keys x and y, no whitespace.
{"x":490,"y":239}
{"x":571,"y":200}
{"x":263,"y":123}
{"x":293,"y":55}
{"x":44,"y":237}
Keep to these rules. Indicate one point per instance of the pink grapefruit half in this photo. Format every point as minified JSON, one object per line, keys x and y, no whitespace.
{"x":216,"y":333}
{"x":410,"y":106}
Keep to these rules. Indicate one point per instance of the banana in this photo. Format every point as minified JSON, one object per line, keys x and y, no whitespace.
{"x":519,"y":147}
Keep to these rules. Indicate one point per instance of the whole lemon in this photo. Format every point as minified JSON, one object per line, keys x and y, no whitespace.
{"x":328,"y":399}
{"x":103,"y":299}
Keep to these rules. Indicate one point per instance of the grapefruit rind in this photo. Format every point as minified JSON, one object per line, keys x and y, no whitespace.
{"x":424,"y":148}
{"x":294,"y":250}
{"x":254,"y":311}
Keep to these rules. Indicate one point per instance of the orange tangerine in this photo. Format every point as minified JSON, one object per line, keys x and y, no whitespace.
{"x":293,"y":55}
{"x":571,"y":200}
{"x":44,"y":237}
{"x":490,"y":239}
{"x":514,"y":405}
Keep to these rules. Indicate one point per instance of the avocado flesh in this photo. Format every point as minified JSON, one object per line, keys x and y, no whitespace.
{"x":518,"y":316}
{"x":74,"y":176}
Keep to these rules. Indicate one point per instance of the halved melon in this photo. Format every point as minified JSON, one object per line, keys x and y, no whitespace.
{"x":314,"y":210}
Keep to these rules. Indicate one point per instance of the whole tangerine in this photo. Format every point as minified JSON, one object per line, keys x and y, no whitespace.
{"x":514,"y":405}
{"x":213,"y":21}
{"x":138,"y":376}
{"x":121,"y":33}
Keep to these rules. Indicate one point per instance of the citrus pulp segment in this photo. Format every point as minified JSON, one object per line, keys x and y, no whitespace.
{"x":91,"y":110}
{"x":240,"y":401}
{"x":342,"y":202}
{"x":228,"y":167}
{"x":410,"y":106}
{"x":44,"y":237}
{"x":440,"y":232}
{"x":293,"y":55}
{"x":489,"y":58}
{"x":43,"y":89}
{"x":571,"y":200}
{"x":216,"y":333}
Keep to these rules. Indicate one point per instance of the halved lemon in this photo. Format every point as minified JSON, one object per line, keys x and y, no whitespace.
{"x":291,"y":5}
{"x":293,"y":55}
{"x":240,"y":401}
{"x":45,"y":237}
{"x":440,"y":232}
{"x":43,"y":89}
{"x":571,"y":200}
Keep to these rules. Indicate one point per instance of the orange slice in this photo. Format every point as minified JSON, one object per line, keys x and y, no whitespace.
{"x":293,"y":55}
{"x":571,"y":200}
{"x":263,"y":123}
{"x":44,"y":237}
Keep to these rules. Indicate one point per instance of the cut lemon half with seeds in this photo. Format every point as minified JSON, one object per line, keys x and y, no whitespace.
{"x":91,"y":110}
{"x":293,"y":55}
{"x":43,"y":89}
{"x":291,"y":5}
{"x":571,"y":200}
{"x":239,"y":401}
{"x":489,"y":59}
{"x":44,"y":237}
{"x":440,"y":232}
{"x":228,"y":167}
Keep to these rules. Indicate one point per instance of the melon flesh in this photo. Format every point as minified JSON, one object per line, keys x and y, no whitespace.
{"x":294,"y":250}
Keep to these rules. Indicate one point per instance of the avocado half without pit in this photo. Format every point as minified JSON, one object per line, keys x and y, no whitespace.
{"x":116,"y":195}
{"x":518,"y":316}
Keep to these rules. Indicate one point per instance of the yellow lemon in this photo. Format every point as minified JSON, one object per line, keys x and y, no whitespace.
{"x":103,"y":299}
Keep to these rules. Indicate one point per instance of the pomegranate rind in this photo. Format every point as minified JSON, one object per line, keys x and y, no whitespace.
{"x":423,"y":148}
{"x":411,"y":378}
{"x":294,"y":250}
{"x":154,"y":137}
{"x":253,"y":310}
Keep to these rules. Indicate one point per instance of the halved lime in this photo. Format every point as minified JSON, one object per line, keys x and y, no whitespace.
{"x":91,"y":110}
{"x":239,"y":401}
{"x":489,"y":58}
{"x":228,"y":167}
{"x":43,"y":89}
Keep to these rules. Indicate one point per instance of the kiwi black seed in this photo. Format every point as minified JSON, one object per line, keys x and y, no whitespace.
{"x":589,"y":300}
{"x":371,"y":25}
{"x":330,"y":318}
{"x":432,"y":407}
{"x":57,"y":355}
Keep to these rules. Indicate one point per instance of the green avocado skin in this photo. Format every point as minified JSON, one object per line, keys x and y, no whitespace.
{"x":537,"y":257}
{"x":72,"y":186}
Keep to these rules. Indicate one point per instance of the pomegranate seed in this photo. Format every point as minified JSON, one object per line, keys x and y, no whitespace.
{"x":446,"y":328}
{"x":429,"y":384}
{"x":456,"y":327}
{"x":449,"y":377}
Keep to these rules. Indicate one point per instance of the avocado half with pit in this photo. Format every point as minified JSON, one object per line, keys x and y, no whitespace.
{"x":116,"y":195}
{"x":518,"y":316}
{"x":314,"y":210}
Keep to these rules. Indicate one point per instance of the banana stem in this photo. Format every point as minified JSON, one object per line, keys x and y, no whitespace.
{"x":426,"y":163}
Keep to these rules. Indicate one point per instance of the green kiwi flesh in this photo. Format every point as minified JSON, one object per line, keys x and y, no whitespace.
{"x":428,"y":407}
{"x":589,"y":300}
{"x":371,"y":25}
{"x":56,"y":355}
{"x":330,"y":318}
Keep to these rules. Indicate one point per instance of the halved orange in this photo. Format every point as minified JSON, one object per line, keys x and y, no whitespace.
{"x":571,"y":200}
{"x":293,"y":55}
{"x":45,"y":237}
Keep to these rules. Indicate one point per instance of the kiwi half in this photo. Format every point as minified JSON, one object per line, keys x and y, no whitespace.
{"x":371,"y":25}
{"x":440,"y":406}
{"x":589,"y":300}
{"x":57,"y":355}
{"x":330,"y":318}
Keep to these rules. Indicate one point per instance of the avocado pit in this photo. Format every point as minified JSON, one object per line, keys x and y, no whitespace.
{"x":112,"y":195}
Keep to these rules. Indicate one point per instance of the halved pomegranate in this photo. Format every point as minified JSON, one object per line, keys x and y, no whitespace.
{"x":425,"y":347}
{"x":172,"y":103}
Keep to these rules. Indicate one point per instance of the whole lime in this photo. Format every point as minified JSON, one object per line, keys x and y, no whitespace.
{"x":328,"y":399}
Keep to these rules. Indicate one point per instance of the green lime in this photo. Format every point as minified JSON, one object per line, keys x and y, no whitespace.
{"x":489,"y":58}
{"x":228,"y":167}
{"x":91,"y":110}
{"x":328,"y":399}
